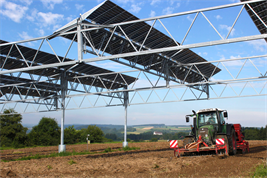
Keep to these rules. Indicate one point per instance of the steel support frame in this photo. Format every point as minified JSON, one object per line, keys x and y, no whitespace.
{"x":203,"y":86}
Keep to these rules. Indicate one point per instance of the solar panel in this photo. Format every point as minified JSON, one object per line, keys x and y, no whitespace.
{"x":109,"y":13}
{"x":261,"y":9}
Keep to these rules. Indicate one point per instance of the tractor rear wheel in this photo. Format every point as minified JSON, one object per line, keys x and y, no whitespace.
{"x":232,"y":142}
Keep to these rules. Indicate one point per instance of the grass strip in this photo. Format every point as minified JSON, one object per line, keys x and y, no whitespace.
{"x":73,"y":153}
{"x":260,"y":171}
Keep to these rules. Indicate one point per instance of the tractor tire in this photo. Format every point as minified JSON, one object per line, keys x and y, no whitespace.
{"x":232,"y":142}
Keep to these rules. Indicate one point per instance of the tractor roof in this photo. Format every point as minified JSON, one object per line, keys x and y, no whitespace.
{"x":208,"y":110}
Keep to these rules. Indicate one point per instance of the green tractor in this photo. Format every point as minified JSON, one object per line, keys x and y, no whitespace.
{"x":209,"y":127}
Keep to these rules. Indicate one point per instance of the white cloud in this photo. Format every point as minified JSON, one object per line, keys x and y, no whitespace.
{"x":27,"y":2}
{"x":204,"y":53}
{"x":13,"y":11}
{"x":152,"y":14}
{"x":218,"y":17}
{"x":50,"y":18}
{"x":172,"y":2}
{"x":189,"y":18}
{"x":226,"y":27}
{"x":233,"y":63}
{"x":41,"y":32}
{"x":25,"y":36}
{"x":70,"y":18}
{"x":234,"y":1}
{"x":168,"y":10}
{"x":33,"y":15}
{"x":79,"y":6}
{"x":259,"y":45}
{"x":125,"y":1}
{"x":135,"y":8}
{"x":153,"y":2}
{"x":51,"y":3}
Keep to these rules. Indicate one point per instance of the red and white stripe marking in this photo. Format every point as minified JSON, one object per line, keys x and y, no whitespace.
{"x":220,"y":141}
{"x":173,"y":143}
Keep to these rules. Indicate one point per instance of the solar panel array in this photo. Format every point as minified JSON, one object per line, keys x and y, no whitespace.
{"x":110,"y":13}
{"x":16,"y":61}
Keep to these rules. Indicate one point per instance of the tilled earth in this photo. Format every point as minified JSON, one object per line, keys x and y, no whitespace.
{"x":152,"y":160}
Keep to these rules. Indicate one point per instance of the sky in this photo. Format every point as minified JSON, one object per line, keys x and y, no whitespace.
{"x":25,"y":19}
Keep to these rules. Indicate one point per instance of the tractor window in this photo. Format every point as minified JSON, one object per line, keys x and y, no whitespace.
{"x":207,"y":118}
{"x":222,"y":118}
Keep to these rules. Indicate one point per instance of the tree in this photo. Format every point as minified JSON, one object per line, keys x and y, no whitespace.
{"x":11,"y":130}
{"x":71,"y":135}
{"x":111,"y":136}
{"x":46,"y":133}
{"x":96,"y":134}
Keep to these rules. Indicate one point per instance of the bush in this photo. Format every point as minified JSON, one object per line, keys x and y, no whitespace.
{"x":96,"y":134}
{"x":71,"y":135}
{"x":154,"y":140}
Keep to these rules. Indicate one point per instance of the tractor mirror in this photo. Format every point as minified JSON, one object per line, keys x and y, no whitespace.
{"x":225,"y":114}
{"x":187,"y":119}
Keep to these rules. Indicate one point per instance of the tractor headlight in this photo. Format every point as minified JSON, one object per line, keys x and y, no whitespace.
{"x":206,"y":135}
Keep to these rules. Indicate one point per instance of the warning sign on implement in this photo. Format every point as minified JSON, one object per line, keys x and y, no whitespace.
{"x":220,"y":141}
{"x":173,"y":143}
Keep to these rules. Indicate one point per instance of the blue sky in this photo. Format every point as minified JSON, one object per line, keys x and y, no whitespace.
{"x":25,"y":19}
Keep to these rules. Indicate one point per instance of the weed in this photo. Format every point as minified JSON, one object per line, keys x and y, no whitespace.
{"x":49,"y":167}
{"x":108,"y":150}
{"x":156,"y":166}
{"x":18,"y":152}
{"x":71,"y":162}
{"x":130,"y":148}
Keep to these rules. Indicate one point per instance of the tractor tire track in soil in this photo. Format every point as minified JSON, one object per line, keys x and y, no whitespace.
{"x":154,"y":159}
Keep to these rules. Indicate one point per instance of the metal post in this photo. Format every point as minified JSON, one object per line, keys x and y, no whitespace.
{"x":208,"y":91}
{"x":167,"y":74}
{"x":80,"y":40}
{"x":126,"y":98}
{"x":64,"y":83}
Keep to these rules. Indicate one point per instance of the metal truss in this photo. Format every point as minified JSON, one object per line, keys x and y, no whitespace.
{"x":161,"y":85}
{"x":148,"y":90}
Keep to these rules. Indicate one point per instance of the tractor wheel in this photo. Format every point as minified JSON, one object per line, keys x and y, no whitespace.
{"x":232,"y":143}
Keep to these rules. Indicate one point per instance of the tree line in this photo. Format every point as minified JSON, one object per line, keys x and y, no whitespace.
{"x":47,"y":133}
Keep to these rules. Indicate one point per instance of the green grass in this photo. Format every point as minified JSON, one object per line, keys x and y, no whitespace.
{"x":71,"y":162}
{"x":37,"y":156}
{"x":260,"y":171}
{"x":6,"y":148}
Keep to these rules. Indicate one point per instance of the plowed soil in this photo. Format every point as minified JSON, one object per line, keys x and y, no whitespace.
{"x":152,"y":160}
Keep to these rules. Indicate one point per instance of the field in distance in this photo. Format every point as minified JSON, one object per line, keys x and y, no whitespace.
{"x":159,"y":128}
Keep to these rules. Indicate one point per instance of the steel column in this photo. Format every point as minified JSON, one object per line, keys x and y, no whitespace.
{"x":80,"y":41}
{"x":126,"y":101}
{"x":64,"y":83}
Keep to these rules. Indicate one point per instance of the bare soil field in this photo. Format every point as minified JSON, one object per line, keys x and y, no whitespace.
{"x":152,"y":160}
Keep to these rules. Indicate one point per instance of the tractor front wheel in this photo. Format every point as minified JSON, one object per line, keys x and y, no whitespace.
{"x":232,"y":142}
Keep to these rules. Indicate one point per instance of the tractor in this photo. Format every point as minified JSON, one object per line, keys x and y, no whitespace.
{"x":210,"y":133}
